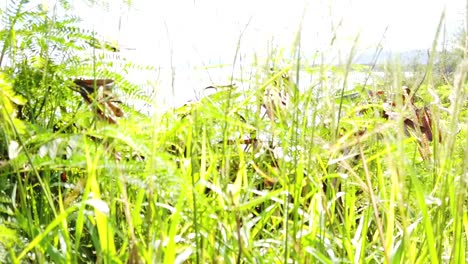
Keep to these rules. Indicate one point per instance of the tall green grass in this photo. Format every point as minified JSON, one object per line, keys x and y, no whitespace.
{"x":187,"y":189}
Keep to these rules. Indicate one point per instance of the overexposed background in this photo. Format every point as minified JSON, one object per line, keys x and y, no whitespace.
{"x":208,"y":30}
{"x":182,"y":37}
{"x":189,"y":34}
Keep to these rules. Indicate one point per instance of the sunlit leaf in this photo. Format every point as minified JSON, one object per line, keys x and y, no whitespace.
{"x":99,"y":205}
{"x":13,"y":149}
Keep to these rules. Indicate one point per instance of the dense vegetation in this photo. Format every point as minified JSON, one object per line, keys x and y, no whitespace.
{"x":258,"y":172}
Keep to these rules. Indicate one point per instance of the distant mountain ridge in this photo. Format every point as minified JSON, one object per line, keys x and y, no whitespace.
{"x":403,"y":57}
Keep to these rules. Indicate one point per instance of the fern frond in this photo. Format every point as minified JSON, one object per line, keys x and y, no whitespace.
{"x":11,"y":16}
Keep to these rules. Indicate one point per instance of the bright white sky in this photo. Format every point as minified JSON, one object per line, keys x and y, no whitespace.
{"x":206,"y":32}
{"x":193,"y":33}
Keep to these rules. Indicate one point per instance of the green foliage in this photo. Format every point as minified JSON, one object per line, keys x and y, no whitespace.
{"x":46,"y":135}
{"x":7,"y":115}
{"x":263,"y":171}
